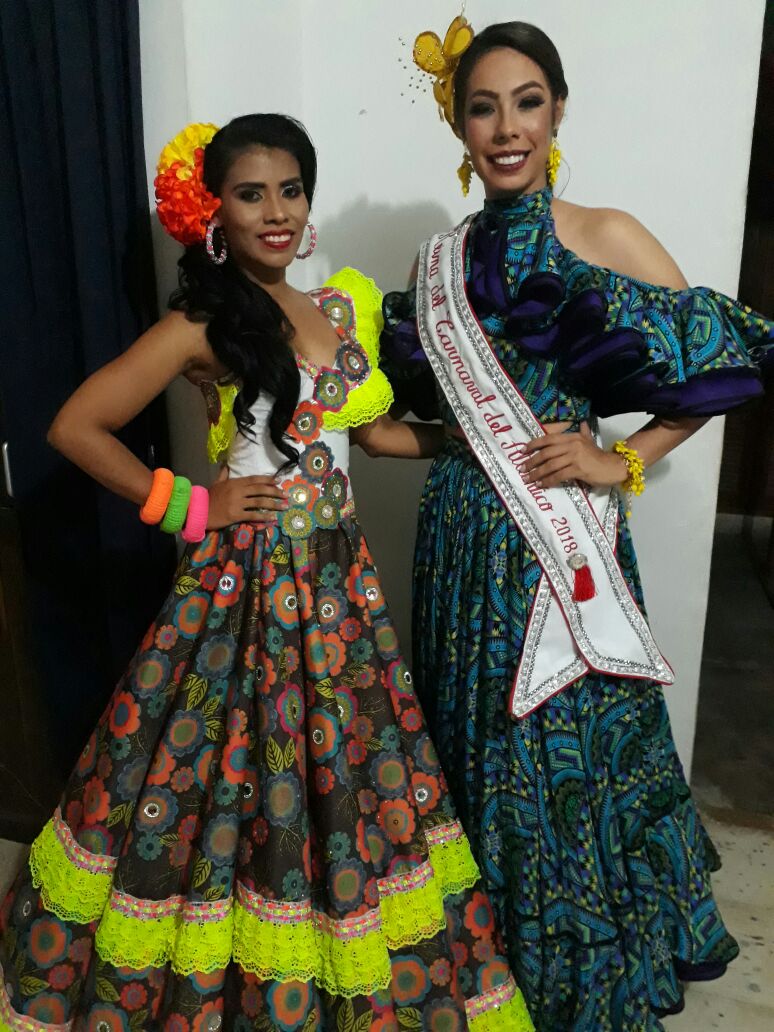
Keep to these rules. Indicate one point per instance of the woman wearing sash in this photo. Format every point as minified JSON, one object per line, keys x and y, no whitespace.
{"x":534,"y":662}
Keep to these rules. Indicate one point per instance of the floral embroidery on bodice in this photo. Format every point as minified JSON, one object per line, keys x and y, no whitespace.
{"x":318,"y":486}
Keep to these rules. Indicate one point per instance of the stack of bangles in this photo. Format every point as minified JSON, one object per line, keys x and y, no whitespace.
{"x":635,"y":481}
{"x":177,"y":506}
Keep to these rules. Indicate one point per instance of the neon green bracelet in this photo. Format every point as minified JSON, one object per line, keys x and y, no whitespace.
{"x":174,"y":517}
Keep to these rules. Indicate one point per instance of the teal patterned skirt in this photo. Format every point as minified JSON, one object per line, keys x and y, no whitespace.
{"x":580,"y":817}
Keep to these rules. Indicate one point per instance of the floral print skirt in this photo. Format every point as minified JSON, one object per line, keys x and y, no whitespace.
{"x":258,"y":834}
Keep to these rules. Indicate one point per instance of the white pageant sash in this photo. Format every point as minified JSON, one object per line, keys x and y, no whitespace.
{"x":564,"y":639}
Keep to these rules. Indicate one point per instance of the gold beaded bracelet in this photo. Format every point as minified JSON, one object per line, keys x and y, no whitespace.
{"x":635,"y":481}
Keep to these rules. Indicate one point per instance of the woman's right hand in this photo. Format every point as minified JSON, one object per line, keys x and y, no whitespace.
{"x":245,"y":500}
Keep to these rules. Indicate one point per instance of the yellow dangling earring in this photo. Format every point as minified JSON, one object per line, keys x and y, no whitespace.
{"x":553,"y":163}
{"x":465,"y":173}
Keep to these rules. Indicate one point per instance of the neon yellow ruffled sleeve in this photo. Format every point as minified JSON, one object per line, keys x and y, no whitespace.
{"x":220,"y":398}
{"x":373,"y":397}
{"x":365,"y":403}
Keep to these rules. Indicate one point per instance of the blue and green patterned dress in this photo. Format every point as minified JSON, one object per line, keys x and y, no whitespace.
{"x":592,"y":850}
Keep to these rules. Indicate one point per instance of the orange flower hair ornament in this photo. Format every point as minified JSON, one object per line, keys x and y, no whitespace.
{"x":183,"y":202}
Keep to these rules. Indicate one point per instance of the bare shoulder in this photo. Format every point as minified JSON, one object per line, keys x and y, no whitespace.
{"x":616,"y":240}
{"x":182,"y":332}
{"x":188,"y":339}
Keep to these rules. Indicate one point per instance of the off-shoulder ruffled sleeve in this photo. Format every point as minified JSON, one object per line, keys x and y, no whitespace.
{"x":362,"y":302}
{"x":625,"y":345}
{"x":672,"y":353}
{"x":402,"y":358}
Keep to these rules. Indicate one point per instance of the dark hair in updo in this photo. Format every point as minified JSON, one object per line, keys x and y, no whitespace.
{"x":246,"y":328}
{"x":521,"y":36}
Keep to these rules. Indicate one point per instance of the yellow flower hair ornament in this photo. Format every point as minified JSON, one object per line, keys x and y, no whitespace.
{"x":440,"y":61}
{"x":184,"y":204}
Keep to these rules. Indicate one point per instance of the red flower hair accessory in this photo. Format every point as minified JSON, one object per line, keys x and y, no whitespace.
{"x":183,"y":202}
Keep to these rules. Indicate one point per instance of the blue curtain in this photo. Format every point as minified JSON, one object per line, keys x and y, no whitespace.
{"x":77,"y":289}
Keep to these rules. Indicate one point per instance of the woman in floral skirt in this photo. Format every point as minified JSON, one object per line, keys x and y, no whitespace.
{"x":258,"y":834}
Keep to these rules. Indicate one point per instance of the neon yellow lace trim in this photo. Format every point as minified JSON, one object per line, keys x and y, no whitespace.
{"x":374,"y":397}
{"x":279,"y":941}
{"x":365,"y":403}
{"x":453,"y":863}
{"x":222,"y":433}
{"x":129,"y":940}
{"x":511,"y":1015}
{"x":74,"y":884}
{"x":367,"y":299}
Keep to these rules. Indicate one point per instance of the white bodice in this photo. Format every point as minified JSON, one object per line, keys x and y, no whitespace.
{"x":258,"y":456}
{"x":318,"y":485}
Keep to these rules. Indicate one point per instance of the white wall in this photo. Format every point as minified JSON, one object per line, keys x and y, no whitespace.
{"x":659,"y":123}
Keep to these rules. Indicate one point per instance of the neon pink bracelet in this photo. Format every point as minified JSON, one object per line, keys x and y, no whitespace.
{"x":198,"y":513}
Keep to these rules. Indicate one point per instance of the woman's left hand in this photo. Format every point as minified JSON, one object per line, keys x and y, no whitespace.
{"x":555,"y":458}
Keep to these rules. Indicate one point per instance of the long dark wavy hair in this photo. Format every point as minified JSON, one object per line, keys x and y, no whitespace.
{"x":246,"y":328}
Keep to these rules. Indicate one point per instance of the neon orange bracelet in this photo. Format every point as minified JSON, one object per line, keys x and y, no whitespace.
{"x":158,"y":499}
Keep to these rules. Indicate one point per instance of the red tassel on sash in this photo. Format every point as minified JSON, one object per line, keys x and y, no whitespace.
{"x":584,"y":588}
{"x":583,"y":582}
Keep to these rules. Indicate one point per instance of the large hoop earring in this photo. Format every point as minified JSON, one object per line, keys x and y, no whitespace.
{"x":312,"y":243}
{"x":553,"y":163}
{"x":217,"y":259}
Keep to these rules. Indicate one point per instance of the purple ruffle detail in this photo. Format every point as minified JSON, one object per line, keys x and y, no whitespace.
{"x":486,"y":287}
{"x":610,"y":368}
{"x":615,"y":368}
{"x":529,"y":317}
{"x":405,"y":345}
{"x":708,"y":394}
{"x":403,"y":359}
{"x":537,"y":300}
{"x":701,"y":357}
{"x":400,"y":341}
{"x":615,"y":371}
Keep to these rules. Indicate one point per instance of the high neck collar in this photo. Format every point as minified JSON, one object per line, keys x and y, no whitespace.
{"x":519,"y":206}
